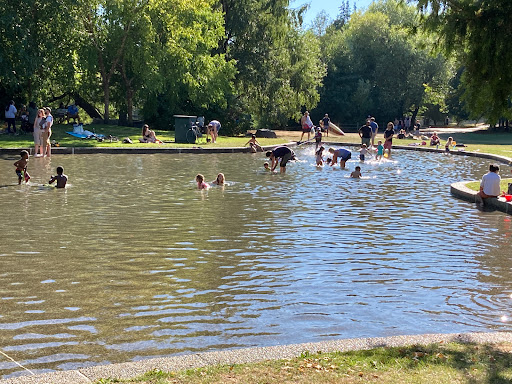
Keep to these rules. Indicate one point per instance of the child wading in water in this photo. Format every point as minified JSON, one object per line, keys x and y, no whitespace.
{"x":266,"y":166}
{"x":363,"y":152}
{"x":319,"y":156}
{"x":21,"y":167}
{"x":200,"y":182}
{"x":318,"y":138}
{"x":61,"y":178}
{"x":380,"y":151}
{"x":357,"y":173}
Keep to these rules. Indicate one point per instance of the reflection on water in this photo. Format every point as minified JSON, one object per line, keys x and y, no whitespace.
{"x":130,"y":261}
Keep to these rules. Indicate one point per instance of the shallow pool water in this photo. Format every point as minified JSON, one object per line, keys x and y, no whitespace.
{"x":131,"y":262}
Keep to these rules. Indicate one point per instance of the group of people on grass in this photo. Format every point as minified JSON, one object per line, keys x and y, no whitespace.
{"x":149,"y":136}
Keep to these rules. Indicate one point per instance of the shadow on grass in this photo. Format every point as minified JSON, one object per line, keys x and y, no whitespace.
{"x":477,"y":363}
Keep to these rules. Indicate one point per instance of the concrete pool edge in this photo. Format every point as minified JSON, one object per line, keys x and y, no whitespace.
{"x":250,"y":355}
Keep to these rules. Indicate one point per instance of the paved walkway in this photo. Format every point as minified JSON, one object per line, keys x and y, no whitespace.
{"x":248,"y":355}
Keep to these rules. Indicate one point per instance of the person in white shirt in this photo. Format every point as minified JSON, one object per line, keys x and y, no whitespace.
{"x":10,"y":116}
{"x":490,"y":185}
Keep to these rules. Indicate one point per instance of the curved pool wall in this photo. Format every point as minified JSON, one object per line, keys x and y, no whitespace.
{"x":130,"y":262}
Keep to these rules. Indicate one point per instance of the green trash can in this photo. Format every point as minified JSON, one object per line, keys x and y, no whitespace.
{"x":182,"y":125}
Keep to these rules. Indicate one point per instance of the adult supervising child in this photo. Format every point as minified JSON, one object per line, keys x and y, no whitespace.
{"x":342,"y":154}
{"x":284,"y":153}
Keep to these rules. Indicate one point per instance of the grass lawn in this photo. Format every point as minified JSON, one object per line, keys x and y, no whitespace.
{"x":438,"y":363}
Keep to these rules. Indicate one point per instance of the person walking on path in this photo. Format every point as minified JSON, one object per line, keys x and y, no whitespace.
{"x":365,"y":133}
{"x":10,"y":116}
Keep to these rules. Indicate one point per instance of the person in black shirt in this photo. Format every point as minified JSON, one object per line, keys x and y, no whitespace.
{"x":365,"y":133}
{"x":284,"y":153}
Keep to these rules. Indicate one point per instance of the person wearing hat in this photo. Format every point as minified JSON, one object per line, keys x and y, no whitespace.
{"x":213,"y":128}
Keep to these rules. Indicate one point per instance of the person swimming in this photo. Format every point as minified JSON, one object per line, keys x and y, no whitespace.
{"x":200,"y":182}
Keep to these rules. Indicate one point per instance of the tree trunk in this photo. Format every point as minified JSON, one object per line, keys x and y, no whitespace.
{"x":413,"y":118}
{"x":106,"y":96}
{"x":86,"y":106}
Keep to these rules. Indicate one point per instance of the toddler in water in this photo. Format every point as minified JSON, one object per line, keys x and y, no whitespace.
{"x":266,"y":166}
{"x":319,"y":156}
{"x":380,"y":151}
{"x":220,"y":180}
{"x":357,"y":173}
{"x":363,"y":152}
{"x":61,"y":178}
{"x":200,"y":182}
{"x":21,"y":167}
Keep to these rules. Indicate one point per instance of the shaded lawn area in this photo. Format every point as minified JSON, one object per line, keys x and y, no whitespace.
{"x":437,"y":363}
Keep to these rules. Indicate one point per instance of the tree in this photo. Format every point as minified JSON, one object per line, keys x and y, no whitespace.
{"x":376,"y":67}
{"x":278,"y":64}
{"x":480,"y":32}
{"x":35,"y":40}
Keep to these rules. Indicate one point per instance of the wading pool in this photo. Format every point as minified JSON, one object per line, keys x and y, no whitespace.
{"x":131,"y":262}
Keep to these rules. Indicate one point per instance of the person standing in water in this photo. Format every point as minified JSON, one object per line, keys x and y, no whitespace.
{"x":284,"y":153}
{"x":60,"y":178}
{"x":342,"y":154}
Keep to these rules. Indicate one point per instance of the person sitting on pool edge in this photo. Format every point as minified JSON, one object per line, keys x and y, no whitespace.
{"x":284,"y":153}
{"x":490,"y":185}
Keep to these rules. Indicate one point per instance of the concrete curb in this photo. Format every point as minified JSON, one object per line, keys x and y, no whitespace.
{"x":138,"y":150}
{"x":250,"y":355}
{"x":460,"y":191}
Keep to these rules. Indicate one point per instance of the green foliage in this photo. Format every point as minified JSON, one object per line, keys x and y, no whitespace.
{"x":35,"y":40}
{"x":377,"y":67}
{"x":278,"y":64}
{"x":480,"y":33}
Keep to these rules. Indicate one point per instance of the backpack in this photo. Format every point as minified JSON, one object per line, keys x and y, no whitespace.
{"x":7,"y":108}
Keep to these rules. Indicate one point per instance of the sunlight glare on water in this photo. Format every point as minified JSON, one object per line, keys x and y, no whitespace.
{"x":131,"y":262}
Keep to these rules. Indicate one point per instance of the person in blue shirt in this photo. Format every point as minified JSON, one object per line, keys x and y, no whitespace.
{"x":375,"y":129}
{"x":342,"y":154}
{"x":72,"y":113}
